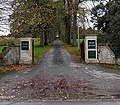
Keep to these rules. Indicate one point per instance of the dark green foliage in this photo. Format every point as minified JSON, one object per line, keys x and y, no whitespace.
{"x":37,"y":18}
{"x":30,"y":16}
{"x":98,"y":15}
{"x":102,"y":38}
{"x":109,"y":23}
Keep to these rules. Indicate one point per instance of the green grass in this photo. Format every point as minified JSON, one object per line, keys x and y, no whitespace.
{"x":73,"y":51}
{"x":39,"y":51}
{"x":1,"y":48}
{"x":4,"y":42}
{"x":113,"y":68}
{"x":9,"y":41}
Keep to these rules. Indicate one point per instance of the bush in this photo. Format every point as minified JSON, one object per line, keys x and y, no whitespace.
{"x":9,"y":41}
{"x":102,"y":38}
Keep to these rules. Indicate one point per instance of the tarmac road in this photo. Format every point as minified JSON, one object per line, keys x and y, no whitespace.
{"x":59,"y":77}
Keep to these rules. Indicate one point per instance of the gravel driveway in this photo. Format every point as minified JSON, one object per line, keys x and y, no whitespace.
{"x":59,"y":77}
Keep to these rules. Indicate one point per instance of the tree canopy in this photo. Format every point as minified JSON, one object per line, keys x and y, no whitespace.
{"x":36,"y":17}
{"x":109,"y":22}
{"x":43,"y":17}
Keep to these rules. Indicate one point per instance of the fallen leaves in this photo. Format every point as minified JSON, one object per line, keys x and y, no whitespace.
{"x":51,"y":88}
{"x":11,"y":68}
{"x":55,"y":87}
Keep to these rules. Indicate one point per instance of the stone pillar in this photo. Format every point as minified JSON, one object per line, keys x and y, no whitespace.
{"x":26,"y":50}
{"x":91,"y":48}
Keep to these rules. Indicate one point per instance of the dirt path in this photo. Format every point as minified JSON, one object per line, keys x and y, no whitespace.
{"x":58,"y":77}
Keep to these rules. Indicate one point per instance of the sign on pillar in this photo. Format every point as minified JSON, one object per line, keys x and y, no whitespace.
{"x":26,"y":50}
{"x":91,"y":48}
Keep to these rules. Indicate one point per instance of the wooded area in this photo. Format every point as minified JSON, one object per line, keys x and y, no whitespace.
{"x":48,"y":18}
{"x":107,"y":18}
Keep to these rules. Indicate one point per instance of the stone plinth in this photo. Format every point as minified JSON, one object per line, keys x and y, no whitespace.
{"x":26,"y":51}
{"x":91,"y":48}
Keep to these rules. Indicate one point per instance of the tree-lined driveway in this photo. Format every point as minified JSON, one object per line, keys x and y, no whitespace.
{"x":59,"y":77}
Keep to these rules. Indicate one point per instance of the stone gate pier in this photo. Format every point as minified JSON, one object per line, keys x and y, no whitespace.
{"x":26,"y":50}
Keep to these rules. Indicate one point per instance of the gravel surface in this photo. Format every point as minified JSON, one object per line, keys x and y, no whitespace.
{"x":59,"y":77}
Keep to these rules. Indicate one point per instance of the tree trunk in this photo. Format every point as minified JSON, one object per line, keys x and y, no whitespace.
{"x":74,"y":21}
{"x":42,"y":40}
{"x":45,"y":43}
{"x":68,"y":29}
{"x":74,"y":29}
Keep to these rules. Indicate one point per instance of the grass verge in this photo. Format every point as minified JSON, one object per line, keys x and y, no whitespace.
{"x":1,"y":48}
{"x":76,"y":55}
{"x":114,"y":68}
{"x":39,"y":52}
{"x":73,"y":51}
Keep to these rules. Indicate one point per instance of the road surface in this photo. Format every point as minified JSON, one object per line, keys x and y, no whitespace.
{"x":59,"y":77}
{"x":59,"y":103}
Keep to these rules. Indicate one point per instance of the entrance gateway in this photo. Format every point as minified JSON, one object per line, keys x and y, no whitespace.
{"x":90,"y":48}
{"x":26,"y":50}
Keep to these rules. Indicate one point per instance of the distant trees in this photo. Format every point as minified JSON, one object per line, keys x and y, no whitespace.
{"x":107,"y":19}
{"x":36,"y":18}
{"x":71,"y":7}
{"x":46,"y":19}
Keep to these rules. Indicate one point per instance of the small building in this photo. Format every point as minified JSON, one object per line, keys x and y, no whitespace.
{"x":105,"y":55}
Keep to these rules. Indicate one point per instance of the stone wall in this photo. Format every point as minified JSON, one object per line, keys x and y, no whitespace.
{"x":26,"y":52}
{"x":105,"y":55}
{"x":11,"y":55}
